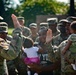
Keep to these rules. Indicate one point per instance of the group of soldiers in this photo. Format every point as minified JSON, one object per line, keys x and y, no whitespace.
{"x":52,"y":61}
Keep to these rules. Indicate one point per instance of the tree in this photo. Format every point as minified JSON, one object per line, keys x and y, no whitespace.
{"x":2,"y":9}
{"x":72,"y":8}
{"x":31,"y":8}
{"x":6,"y":9}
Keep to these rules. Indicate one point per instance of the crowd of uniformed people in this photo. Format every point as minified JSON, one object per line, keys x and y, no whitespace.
{"x":45,"y":49}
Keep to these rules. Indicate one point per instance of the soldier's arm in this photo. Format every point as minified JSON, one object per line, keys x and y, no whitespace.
{"x":40,"y":68}
{"x":14,"y":47}
{"x":52,"y":67}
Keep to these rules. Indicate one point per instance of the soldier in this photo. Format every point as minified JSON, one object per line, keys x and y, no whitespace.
{"x":46,"y":58}
{"x":10,"y":50}
{"x":49,"y":60}
{"x":52,"y":22}
{"x":9,"y":37}
{"x":62,"y":28}
{"x":33,"y":27}
{"x":66,"y":67}
{"x":25,"y":30}
{"x":71,"y":47}
{"x":17,"y":66}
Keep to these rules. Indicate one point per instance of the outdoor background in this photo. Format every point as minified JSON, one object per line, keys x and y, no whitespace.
{"x":36,"y":10}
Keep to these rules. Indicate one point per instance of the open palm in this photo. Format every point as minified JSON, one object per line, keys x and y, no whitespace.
{"x":49,"y":36}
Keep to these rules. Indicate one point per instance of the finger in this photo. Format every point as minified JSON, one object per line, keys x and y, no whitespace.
{"x":49,"y":32}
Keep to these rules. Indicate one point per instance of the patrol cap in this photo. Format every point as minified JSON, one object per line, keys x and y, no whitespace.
{"x":20,"y":18}
{"x":1,"y":18}
{"x":33,"y":25}
{"x":52,"y":21}
{"x":64,"y":21}
{"x":43,"y":28}
{"x":44,"y":24}
{"x":60,"y":24}
{"x":71,"y":18}
{"x":3,"y":27}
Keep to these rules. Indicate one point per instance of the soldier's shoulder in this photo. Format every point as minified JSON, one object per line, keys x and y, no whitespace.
{"x":26,"y":28}
{"x":57,"y":36}
{"x":63,"y":43}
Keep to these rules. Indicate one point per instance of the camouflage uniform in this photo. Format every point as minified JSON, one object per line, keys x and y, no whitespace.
{"x":25,"y":30}
{"x":33,"y":28}
{"x":66,"y":68}
{"x":58,"y":39}
{"x":52,"y":23}
{"x":61,"y":27}
{"x":48,"y":56}
{"x":10,"y":51}
{"x":9,"y":37}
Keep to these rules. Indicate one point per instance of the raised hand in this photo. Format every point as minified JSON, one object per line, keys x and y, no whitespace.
{"x":49,"y":36}
{"x":15,"y":21}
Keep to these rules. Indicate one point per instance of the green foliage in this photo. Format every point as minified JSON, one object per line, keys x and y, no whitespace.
{"x":31,"y":8}
{"x":10,"y":31}
{"x":40,"y":7}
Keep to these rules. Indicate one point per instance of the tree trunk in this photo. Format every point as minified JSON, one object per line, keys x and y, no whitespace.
{"x":2,"y":9}
{"x":72,"y":8}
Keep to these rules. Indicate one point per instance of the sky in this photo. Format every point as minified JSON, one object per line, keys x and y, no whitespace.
{"x":66,"y":1}
{"x":16,"y":2}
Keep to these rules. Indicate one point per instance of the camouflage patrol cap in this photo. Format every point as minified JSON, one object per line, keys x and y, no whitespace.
{"x":64,"y":21}
{"x":71,"y":18}
{"x":20,"y":18}
{"x":3,"y":27}
{"x":43,"y":24}
{"x":52,"y":21}
{"x":60,"y":24}
{"x":33,"y":25}
{"x":1,"y":18}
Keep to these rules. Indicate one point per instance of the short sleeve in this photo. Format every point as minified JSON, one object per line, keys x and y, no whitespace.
{"x":36,"y":48}
{"x":72,"y":37}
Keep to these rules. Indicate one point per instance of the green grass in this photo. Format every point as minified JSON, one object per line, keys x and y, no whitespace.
{"x":10,"y":30}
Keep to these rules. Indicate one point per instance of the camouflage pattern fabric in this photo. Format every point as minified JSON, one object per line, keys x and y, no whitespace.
{"x":66,"y":68}
{"x":26,"y":31}
{"x":58,"y":39}
{"x":10,"y":51}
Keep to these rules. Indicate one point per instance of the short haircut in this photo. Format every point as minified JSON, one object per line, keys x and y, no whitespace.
{"x":73,"y":25}
{"x":28,"y":42}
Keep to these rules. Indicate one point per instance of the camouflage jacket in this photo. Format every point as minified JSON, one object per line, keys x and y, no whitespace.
{"x":10,"y":51}
{"x":58,"y":39}
{"x":66,"y":68}
{"x":26,"y":31}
